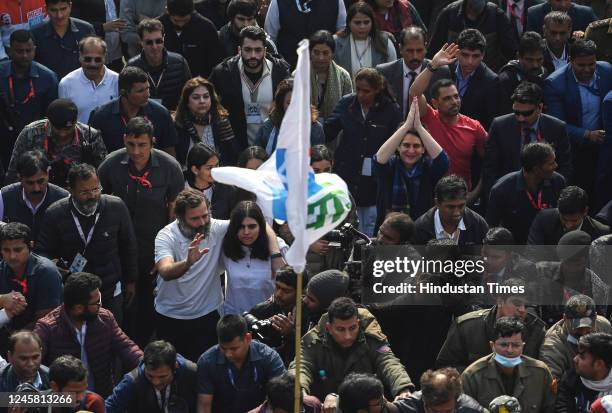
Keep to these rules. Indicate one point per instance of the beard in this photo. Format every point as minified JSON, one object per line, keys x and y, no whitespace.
{"x":88,"y":316}
{"x":86,"y":208}
{"x":252,"y":63}
{"x":189,"y":232}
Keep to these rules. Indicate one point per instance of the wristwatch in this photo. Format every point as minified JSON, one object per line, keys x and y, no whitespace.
{"x":431,"y":68}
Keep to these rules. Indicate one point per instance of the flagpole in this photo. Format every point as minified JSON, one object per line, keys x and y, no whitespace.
{"x":297,"y":390}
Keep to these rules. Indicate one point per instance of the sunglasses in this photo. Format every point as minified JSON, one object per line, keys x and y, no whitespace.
{"x":524,"y":113}
{"x":151,"y":42}
{"x":89,"y":59}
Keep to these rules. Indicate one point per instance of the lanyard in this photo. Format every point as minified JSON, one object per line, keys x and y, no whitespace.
{"x":540,"y":205}
{"x":80,"y":229}
{"x":156,"y":85}
{"x":125,"y":121}
{"x":46,"y":140}
{"x":23,"y":283}
{"x":230,"y":373}
{"x":142,"y":180}
{"x":365,"y":50}
{"x":31,"y":93}
{"x":514,"y":14}
{"x":254,"y":88}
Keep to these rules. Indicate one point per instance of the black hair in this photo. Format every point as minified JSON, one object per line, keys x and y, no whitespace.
{"x":531,"y":42}
{"x":472,"y":39}
{"x":498,"y":236}
{"x":66,"y":369}
{"x":51,"y":2}
{"x":80,"y":172}
{"x":245,"y":7}
{"x":321,"y":153}
{"x":572,"y":200}
{"x":32,"y":162}
{"x":558,"y":17}
{"x":439,"y":84}
{"x":279,"y":392}
{"x":379,"y":41}
{"x":22,"y":335}
{"x":440,"y":386}
{"x":198,"y":155}
{"x":512,"y":284}
{"x":402,"y":224}
{"x":598,"y":345}
{"x":188,"y":198}
{"x":582,"y":48}
{"x":254,"y":33}
{"x":507,"y":327}
{"x":322,"y":37}
{"x":535,"y":154}
{"x":342,"y":308}
{"x":232,"y":247}
{"x":231,"y":326}
{"x":149,"y":26}
{"x":139,"y":126}
{"x":130,"y":75}
{"x":158,"y":354}
{"x":16,"y":231}
{"x":287,"y":275}
{"x":449,"y":188}
{"x":180,"y":7}
{"x":252,"y":152}
{"x":95,"y":40}
{"x":78,"y":288}
{"x":22,"y":36}
{"x":357,"y":390}
{"x":527,"y":92}
{"x":412,"y":32}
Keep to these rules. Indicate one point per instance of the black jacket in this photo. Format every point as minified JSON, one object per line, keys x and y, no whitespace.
{"x":111,"y":253}
{"x":414,"y":404}
{"x":481,"y":98}
{"x":475,"y":228}
{"x":572,"y":395}
{"x":502,"y":41}
{"x":93,"y":12}
{"x":230,"y":42}
{"x":9,"y":380}
{"x":198,"y":43}
{"x":546,"y":228}
{"x":510,"y":75}
{"x":174,"y":75}
{"x":226,"y":78}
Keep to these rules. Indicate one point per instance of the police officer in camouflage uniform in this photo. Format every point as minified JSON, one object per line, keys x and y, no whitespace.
{"x":600,"y":32}
{"x":346,"y":340}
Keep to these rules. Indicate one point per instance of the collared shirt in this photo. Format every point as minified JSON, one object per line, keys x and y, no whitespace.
{"x":590,"y":102}
{"x":233,"y":390}
{"x":84,"y":92}
{"x":81,"y":334}
{"x":441,"y":232}
{"x":534,"y":136}
{"x":113,"y":42}
{"x":407,"y":83}
{"x":559,"y":62}
{"x":61,"y":54}
{"x":462,"y":84}
{"x":516,"y":14}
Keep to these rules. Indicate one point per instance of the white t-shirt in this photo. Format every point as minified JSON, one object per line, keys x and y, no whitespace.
{"x":84,"y":92}
{"x":198,"y":291}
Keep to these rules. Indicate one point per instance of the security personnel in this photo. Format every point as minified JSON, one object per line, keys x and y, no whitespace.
{"x":507,"y":371}
{"x":600,"y":32}
{"x":347,"y":340}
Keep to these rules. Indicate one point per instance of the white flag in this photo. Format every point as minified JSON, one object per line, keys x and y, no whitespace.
{"x":285,"y":185}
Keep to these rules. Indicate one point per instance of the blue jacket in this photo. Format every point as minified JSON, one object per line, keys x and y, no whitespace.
{"x":604,"y":174}
{"x":135,"y":393}
{"x":563,"y":98}
{"x":581,"y":16}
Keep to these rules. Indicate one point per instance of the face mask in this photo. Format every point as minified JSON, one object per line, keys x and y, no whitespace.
{"x":477,"y":5}
{"x":508,"y":361}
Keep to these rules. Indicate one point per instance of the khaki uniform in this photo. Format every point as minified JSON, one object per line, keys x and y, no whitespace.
{"x":533,"y":387}
{"x":469,"y":335}
{"x":324,"y":366}
{"x":600,"y":32}
{"x":558,"y":353}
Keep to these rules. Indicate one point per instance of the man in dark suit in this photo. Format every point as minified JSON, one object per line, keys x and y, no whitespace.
{"x":476,"y":83}
{"x":581,"y":15}
{"x":401,"y":73}
{"x":571,"y":214}
{"x":510,"y":133}
{"x":557,"y":33}
{"x":575,"y":95}
{"x":516,"y":11}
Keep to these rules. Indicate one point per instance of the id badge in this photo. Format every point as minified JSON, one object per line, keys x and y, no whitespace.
{"x":253,"y":116}
{"x":366,"y":167}
{"x":78,"y":264}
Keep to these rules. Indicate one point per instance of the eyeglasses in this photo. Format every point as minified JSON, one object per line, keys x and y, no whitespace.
{"x":97,"y":303}
{"x":89,"y":59}
{"x":151,"y":42}
{"x":93,"y":191}
{"x":524,"y":113}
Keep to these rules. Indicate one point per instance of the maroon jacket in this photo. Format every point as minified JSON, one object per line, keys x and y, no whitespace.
{"x":103,"y":342}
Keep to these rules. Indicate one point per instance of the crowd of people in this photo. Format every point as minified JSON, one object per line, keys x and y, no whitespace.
{"x":132,"y":280}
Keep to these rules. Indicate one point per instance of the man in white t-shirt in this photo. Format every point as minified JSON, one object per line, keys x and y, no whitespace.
{"x":188,"y":286}
{"x":93,"y":84}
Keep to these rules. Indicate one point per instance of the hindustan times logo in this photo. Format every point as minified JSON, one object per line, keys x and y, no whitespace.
{"x":412,"y":267}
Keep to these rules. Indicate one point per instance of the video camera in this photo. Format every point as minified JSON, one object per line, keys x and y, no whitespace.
{"x":263,"y":331}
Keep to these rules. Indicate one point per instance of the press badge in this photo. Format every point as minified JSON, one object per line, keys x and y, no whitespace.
{"x":253,"y":116}
{"x":366,"y":167}
{"x":78,"y":264}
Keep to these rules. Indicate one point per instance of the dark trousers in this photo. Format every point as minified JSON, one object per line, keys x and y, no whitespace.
{"x":115,"y":306}
{"x":139,"y":318}
{"x":190,"y":337}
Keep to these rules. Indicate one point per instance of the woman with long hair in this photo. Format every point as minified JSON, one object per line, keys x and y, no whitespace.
{"x":361,"y":43}
{"x":393,"y":15}
{"x":200,"y":117}
{"x":267,"y":136}
{"x":252,"y":157}
{"x":367,"y":118}
{"x":251,"y":256}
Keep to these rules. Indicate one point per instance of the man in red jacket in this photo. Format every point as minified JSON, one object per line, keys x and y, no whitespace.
{"x":81,"y":328}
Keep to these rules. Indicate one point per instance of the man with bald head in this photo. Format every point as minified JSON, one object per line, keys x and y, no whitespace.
{"x":24,"y":356}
